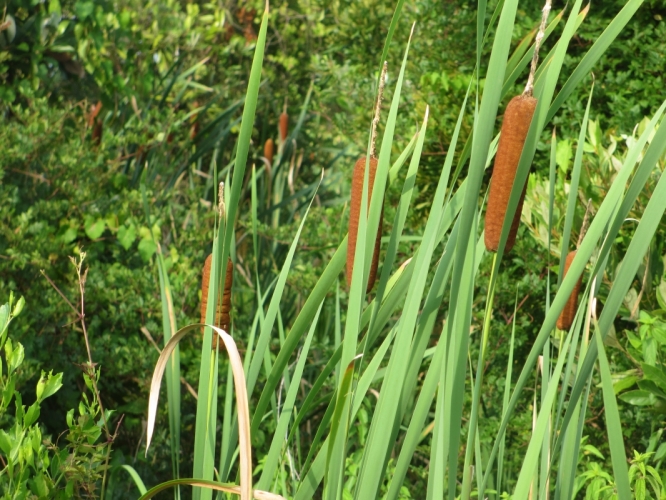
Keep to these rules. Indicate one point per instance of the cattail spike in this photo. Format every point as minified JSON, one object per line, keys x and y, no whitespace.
{"x":223,"y":309}
{"x":284,"y":125}
{"x":516,"y":124}
{"x":567,"y":315}
{"x":269,"y":150}
{"x":354,"y":215}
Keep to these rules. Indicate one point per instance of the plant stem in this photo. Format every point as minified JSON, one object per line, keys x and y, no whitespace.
{"x":529,"y":88}
{"x":476,"y":395}
{"x":378,"y":108}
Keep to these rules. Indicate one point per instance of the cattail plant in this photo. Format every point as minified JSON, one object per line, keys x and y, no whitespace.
{"x":515,"y":126}
{"x":566,"y":318}
{"x":567,"y":315}
{"x":357,"y":194}
{"x":284,"y":124}
{"x":269,"y":150}
{"x":223,"y":309}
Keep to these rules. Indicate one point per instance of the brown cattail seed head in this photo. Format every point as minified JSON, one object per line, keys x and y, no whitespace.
{"x":567,"y":315}
{"x":269,"y":149}
{"x":354,"y":213}
{"x":284,"y":126}
{"x":223,"y":310}
{"x":515,"y":126}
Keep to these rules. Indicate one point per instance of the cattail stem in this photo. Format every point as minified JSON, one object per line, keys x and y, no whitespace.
{"x":529,"y":88}
{"x":378,"y":107}
{"x":586,"y":223}
{"x":476,"y":394}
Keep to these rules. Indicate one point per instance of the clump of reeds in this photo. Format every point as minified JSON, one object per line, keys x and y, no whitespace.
{"x":515,"y":126}
{"x":357,"y":194}
{"x":223,"y":309}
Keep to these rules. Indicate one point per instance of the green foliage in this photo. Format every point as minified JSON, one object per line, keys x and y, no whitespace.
{"x":32,"y":465}
{"x":171,"y":78}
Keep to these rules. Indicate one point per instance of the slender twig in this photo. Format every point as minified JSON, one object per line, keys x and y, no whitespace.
{"x":88,"y":368}
{"x":378,"y":107}
{"x":529,"y":88}
{"x":83,"y":275}
{"x":59,"y":292}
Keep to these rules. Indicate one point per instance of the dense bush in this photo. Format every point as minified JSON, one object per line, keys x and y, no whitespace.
{"x":170,"y":79}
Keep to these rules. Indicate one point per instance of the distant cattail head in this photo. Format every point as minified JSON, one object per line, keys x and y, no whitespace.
{"x":269,"y":150}
{"x":516,"y":124}
{"x":354,"y":215}
{"x":94,"y":111}
{"x":223,"y":309}
{"x":284,"y":125}
{"x":567,"y":315}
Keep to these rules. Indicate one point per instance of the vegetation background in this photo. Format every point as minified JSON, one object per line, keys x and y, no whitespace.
{"x":98,"y":96}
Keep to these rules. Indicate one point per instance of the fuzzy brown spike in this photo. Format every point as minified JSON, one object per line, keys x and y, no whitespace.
{"x":567,"y":315}
{"x":223,"y":310}
{"x":269,"y":150}
{"x":284,"y":125}
{"x":516,"y":124}
{"x":354,"y":215}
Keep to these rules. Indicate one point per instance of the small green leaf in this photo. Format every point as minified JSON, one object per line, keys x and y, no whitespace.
{"x":84,"y":9}
{"x":48,"y":386}
{"x":112,"y":222}
{"x":624,"y":383}
{"x":93,"y":227}
{"x":14,"y":357}
{"x":638,"y":398}
{"x":147,"y":248}
{"x":661,"y":294}
{"x":31,"y":415}
{"x":18,"y":307}
{"x":655,"y":374}
{"x":5,"y":442}
{"x":126,"y":236}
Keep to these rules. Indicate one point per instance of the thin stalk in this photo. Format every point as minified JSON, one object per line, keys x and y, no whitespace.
{"x":476,"y":396}
{"x":529,"y":87}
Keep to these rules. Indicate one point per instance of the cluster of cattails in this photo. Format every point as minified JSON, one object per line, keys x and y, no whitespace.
{"x":223,"y":309}
{"x":515,"y":126}
{"x":358,"y":177}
